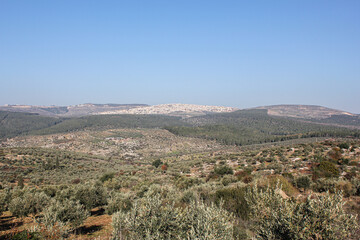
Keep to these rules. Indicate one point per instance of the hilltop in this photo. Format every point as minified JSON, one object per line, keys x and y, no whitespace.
{"x":183,"y":110}
{"x":69,"y":111}
{"x":303,"y":111}
{"x":177,"y":109}
{"x":225,"y":124}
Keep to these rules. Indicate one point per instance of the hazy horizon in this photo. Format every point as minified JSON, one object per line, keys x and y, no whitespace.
{"x":229,"y":53}
{"x":145,"y":104}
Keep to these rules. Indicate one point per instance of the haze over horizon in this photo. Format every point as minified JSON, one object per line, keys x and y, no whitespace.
{"x":229,"y":53}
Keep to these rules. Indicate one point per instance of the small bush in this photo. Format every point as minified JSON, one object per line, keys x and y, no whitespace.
{"x":157,"y":163}
{"x":66,"y":214}
{"x":286,"y":186}
{"x":233,"y":200}
{"x":223,"y":170}
{"x":107,"y":176}
{"x":319,"y":217}
{"x":31,"y":202}
{"x":187,"y":182}
{"x":5,"y":197}
{"x":303,"y":182}
{"x":227,"y":179}
{"x":90,"y":195}
{"x":151,"y":219}
{"x":26,"y":235}
{"x":327,"y":169}
{"x":344,"y":145}
{"x":118,"y":202}
{"x":325,"y":185}
{"x":188,"y":196}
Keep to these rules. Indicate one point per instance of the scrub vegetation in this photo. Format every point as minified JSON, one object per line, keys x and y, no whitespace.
{"x":146,"y":182}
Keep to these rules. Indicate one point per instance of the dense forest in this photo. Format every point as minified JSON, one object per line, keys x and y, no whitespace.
{"x":112,"y":121}
{"x":15,"y":123}
{"x":242,"y":127}
{"x":340,"y":120}
{"x":255,"y":126}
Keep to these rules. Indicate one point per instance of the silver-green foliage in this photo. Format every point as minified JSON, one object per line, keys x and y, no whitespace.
{"x":5,"y":197}
{"x":118,"y":202}
{"x":151,"y":218}
{"x":65,"y":214}
{"x":28,"y":202}
{"x":207,"y":222}
{"x":318,"y":217}
{"x":90,"y":194}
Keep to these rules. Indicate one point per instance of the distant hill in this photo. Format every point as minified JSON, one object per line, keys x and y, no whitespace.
{"x":69,"y":111}
{"x":315,"y":114}
{"x":177,"y":109}
{"x":101,"y":122}
{"x":15,"y":123}
{"x":246,"y":127}
{"x":303,"y":111}
{"x":182,"y":110}
{"x":19,"y":123}
{"x":241,"y":127}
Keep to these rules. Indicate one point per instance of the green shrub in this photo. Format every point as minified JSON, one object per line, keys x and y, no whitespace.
{"x":203,"y":221}
{"x":65,"y":214}
{"x":118,"y":202}
{"x":233,"y":200}
{"x":356,"y":183}
{"x":286,"y":186}
{"x":5,"y":197}
{"x":148,"y":219}
{"x":223,"y":170}
{"x":187,"y":182}
{"x":26,"y":235}
{"x":325,"y":185}
{"x":90,"y":195}
{"x":188,"y":196}
{"x":151,"y":219}
{"x":31,"y":202}
{"x":328,"y":169}
{"x":344,"y":145}
{"x":303,"y":182}
{"x":227,"y":179}
{"x":157,"y":163}
{"x":107,"y":176}
{"x":319,"y":217}
{"x":50,"y":190}
{"x":113,"y":184}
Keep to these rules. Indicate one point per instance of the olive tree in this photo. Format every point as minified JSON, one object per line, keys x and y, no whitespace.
{"x":149,"y":219}
{"x":318,"y":217}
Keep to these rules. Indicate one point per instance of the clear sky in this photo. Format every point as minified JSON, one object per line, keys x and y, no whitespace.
{"x":232,"y":53}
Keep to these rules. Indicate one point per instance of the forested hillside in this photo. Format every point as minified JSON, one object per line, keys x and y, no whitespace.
{"x":112,"y":121}
{"x":14,"y":123}
{"x":242,"y":127}
{"x":340,"y":120}
{"x":255,"y":126}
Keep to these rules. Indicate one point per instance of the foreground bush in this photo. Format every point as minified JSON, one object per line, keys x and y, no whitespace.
{"x":90,"y":195}
{"x":150,"y":219}
{"x":5,"y":196}
{"x":319,"y":217}
{"x":30,"y":202}
{"x":66,"y":215}
{"x":118,"y":202}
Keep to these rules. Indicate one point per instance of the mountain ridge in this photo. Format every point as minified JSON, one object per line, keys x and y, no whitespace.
{"x":303,"y":111}
{"x":313,"y":112}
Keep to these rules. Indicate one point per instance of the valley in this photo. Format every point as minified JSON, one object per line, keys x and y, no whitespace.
{"x":98,"y":169}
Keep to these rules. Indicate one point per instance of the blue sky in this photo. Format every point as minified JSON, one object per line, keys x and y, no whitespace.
{"x":232,"y":53}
